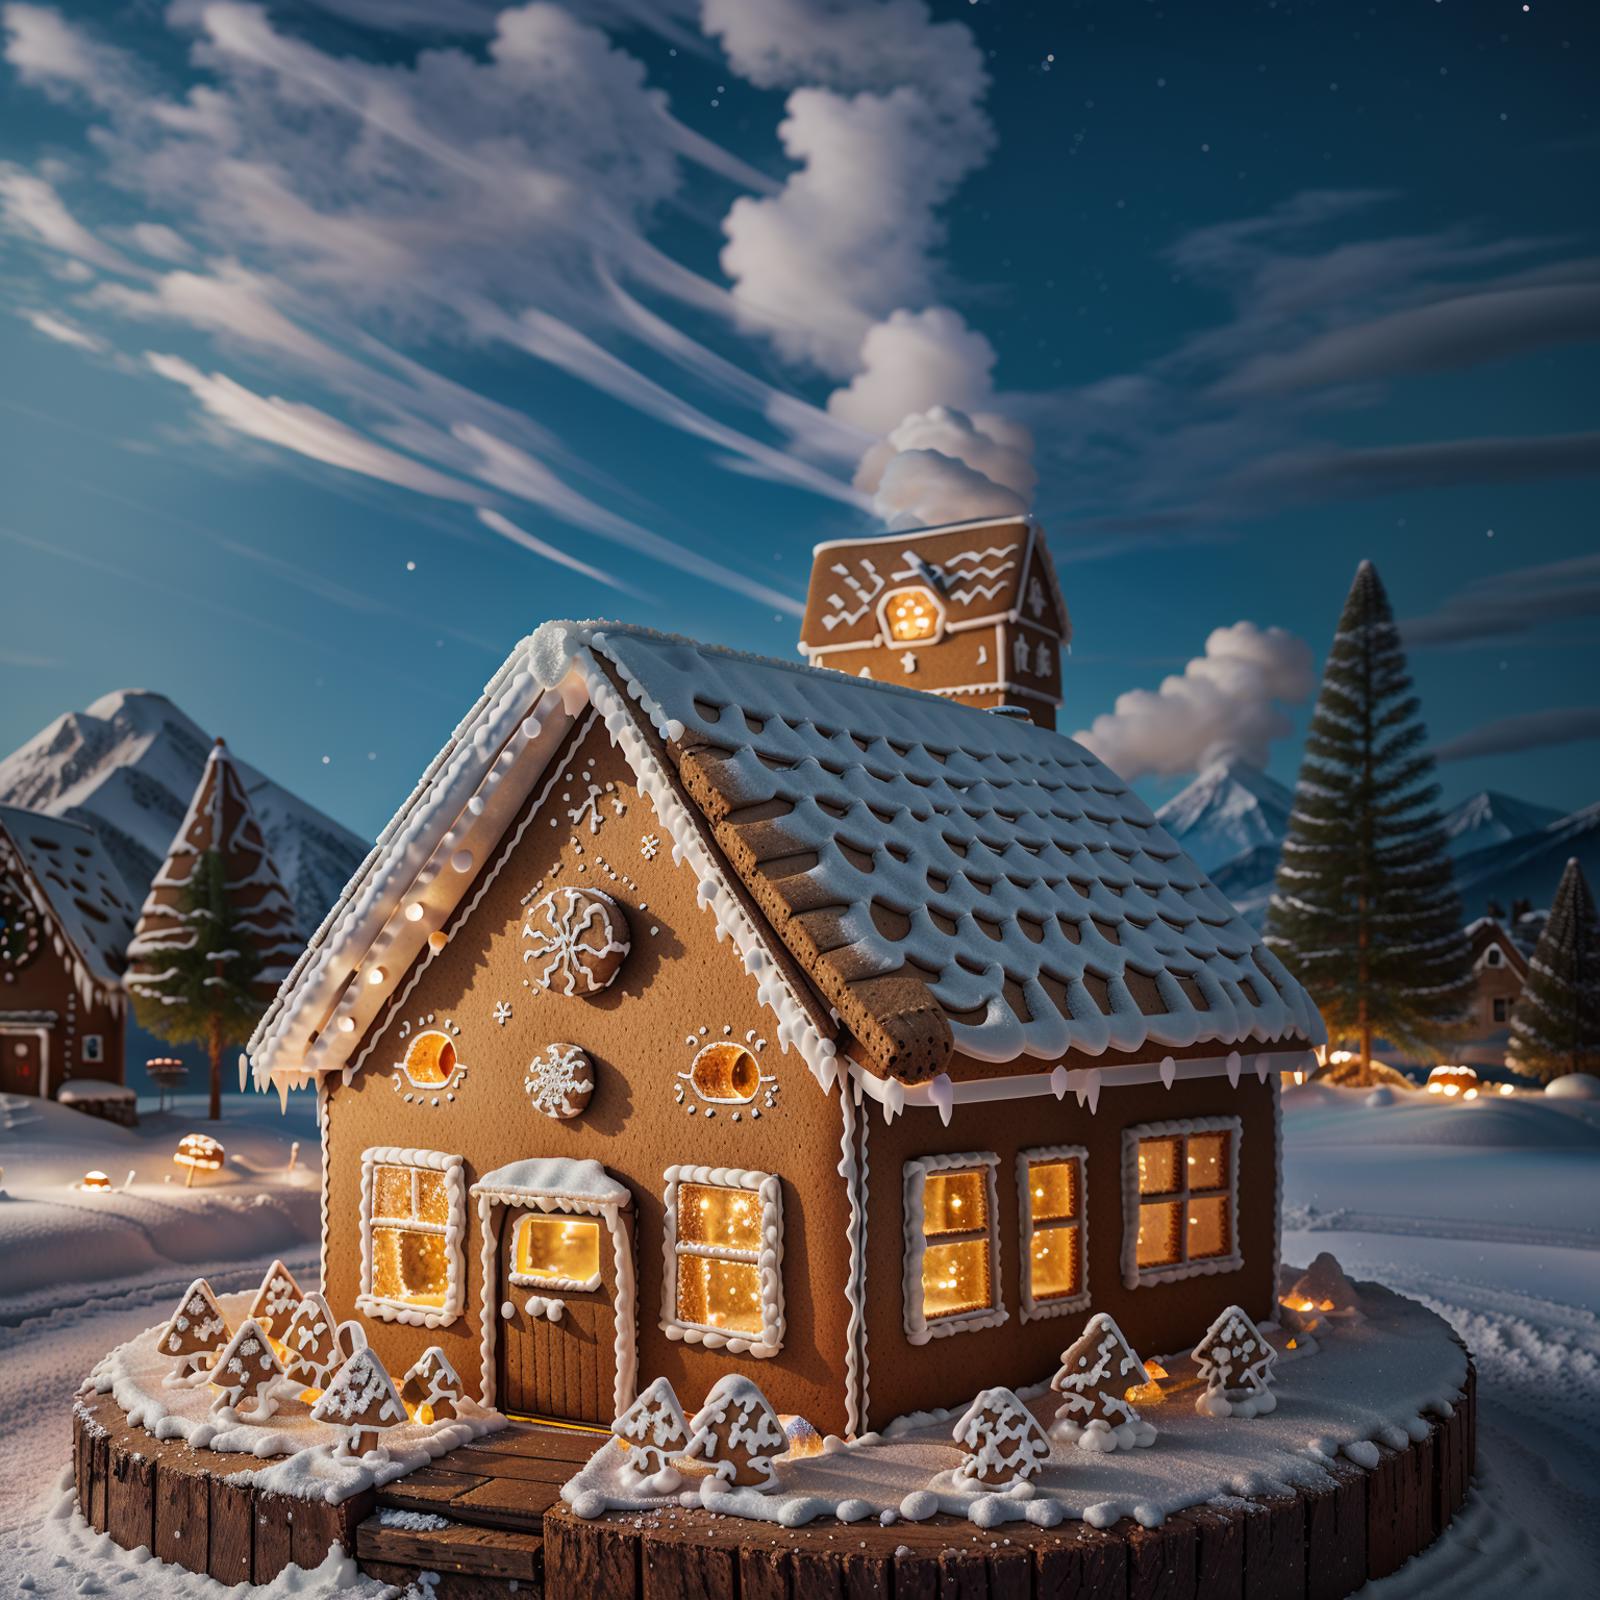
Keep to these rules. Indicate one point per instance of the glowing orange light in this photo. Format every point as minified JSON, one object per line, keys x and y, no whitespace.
{"x":912,"y":615}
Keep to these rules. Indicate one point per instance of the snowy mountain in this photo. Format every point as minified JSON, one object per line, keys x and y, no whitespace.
{"x":1529,"y":867}
{"x":1230,"y":809}
{"x":1490,"y":818}
{"x":128,"y":766}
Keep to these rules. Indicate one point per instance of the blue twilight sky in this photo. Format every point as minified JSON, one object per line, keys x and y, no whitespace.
{"x":342,"y":343}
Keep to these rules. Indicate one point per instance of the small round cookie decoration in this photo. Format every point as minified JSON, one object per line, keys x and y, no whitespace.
{"x":577,"y":941}
{"x":560,"y":1081}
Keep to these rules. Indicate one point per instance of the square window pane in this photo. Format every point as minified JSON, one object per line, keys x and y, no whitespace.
{"x":1053,"y":1259}
{"x":1158,"y":1166}
{"x":433,"y":1196}
{"x":955,"y":1278}
{"x":1208,"y":1161}
{"x":1053,"y":1190}
{"x":1158,"y":1234}
{"x":391,"y":1192}
{"x":1208,"y":1227}
{"x":716,"y":1216}
{"x":954,"y":1202}
{"x":410,"y":1266}
{"x":558,"y":1247}
{"x":719,"y":1294}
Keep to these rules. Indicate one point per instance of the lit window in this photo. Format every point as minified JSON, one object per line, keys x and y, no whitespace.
{"x":1050,"y":1192}
{"x":952,"y":1248}
{"x":723,"y":1230}
{"x":430,"y":1061}
{"x":1180,"y":1198}
{"x":555,"y":1251}
{"x":413,"y":1205}
{"x":725,"y":1073}
{"x":913,"y":616}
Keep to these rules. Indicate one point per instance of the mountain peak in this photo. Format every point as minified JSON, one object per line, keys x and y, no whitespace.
{"x":1490,"y":817}
{"x":1231,"y":807}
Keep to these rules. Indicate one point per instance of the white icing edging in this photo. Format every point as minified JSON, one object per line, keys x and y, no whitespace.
{"x":768,"y":1261}
{"x":918,"y":1329}
{"x":533,"y":1280}
{"x":854,"y":1173}
{"x":1059,"y":1305}
{"x":453,"y":1230}
{"x":1133,"y":1275}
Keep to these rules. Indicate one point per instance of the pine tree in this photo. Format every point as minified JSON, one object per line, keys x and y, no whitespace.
{"x":737,"y":1434}
{"x":1096,"y":1372}
{"x":362,"y":1400}
{"x":1555,"y":1026}
{"x":277,"y":1297}
{"x":1235,"y":1363}
{"x":653,"y":1428}
{"x":216,"y":935}
{"x":1364,"y":911}
{"x":1004,"y":1443}
{"x":431,"y":1387}
{"x":194,"y":1333}
{"x":246,"y":1369}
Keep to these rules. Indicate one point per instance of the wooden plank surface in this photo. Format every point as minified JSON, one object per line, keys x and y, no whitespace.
{"x":130,"y":1492}
{"x":183,"y":1510}
{"x":494,"y":1552}
{"x":1336,"y":1534}
{"x":1275,"y":1548}
{"x":1161,"y":1561}
{"x":589,"y":1559}
{"x":450,"y":1585}
{"x":232,"y":1517}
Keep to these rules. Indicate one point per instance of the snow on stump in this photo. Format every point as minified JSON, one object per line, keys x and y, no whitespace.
{"x":1097,"y":1371}
{"x":431,"y":1389}
{"x":277,"y":1297}
{"x":194,"y":1333}
{"x":247,"y":1369}
{"x":652,"y":1430}
{"x":1235,"y":1363}
{"x":737,"y":1434}
{"x":363,"y":1400}
{"x":1004,"y":1444}
{"x":312,"y":1347}
{"x":1322,"y":1290}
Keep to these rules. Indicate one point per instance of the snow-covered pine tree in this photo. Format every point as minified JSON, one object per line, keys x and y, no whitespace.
{"x":1555,"y":1025}
{"x":653,"y":1428}
{"x":195,"y":1331}
{"x":1364,"y":910}
{"x":432,"y":1387}
{"x":362,"y":1400}
{"x":1235,"y":1364}
{"x":1004,"y":1443}
{"x":1096,"y":1372}
{"x":246,"y":1369}
{"x":277,"y":1297}
{"x":737,"y":1434}
{"x":216,"y":935}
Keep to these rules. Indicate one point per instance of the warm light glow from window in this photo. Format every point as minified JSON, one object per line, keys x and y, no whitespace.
{"x":431,"y":1059}
{"x":730,"y":1218}
{"x":410,"y":1264}
{"x":719,"y":1243}
{"x":557,"y":1248}
{"x":1158,"y":1235}
{"x":1055,"y":1247}
{"x":1188,"y":1217}
{"x":1158,"y":1166}
{"x":955,"y":1264}
{"x":726,"y":1073}
{"x":912,"y":615}
{"x":719,"y":1294}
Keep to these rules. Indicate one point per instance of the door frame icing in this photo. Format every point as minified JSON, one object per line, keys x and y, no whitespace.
{"x":582,"y":1188}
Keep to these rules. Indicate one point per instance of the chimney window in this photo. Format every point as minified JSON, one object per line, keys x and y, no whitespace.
{"x":913,"y":616}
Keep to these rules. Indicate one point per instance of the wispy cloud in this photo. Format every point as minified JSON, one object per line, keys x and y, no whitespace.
{"x":1512,"y":603}
{"x":64,"y":332}
{"x":508,"y":529}
{"x":1530,"y":730}
{"x":31,"y":207}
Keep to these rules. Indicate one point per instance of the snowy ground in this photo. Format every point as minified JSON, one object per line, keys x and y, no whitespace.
{"x":1485,"y":1211}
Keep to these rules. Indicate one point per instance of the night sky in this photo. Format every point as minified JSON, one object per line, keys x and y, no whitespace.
{"x":339,"y":350}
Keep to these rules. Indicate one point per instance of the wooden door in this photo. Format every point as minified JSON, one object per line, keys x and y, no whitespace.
{"x":564,"y":1369}
{"x":21,"y":1063}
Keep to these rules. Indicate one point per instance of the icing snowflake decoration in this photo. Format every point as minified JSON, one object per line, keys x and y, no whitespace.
{"x":649,"y":846}
{"x":560,"y":1081}
{"x":590,"y":806}
{"x":576,"y":941}
{"x":502,"y":1012}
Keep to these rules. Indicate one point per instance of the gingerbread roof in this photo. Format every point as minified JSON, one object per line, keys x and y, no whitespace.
{"x":982,"y":572}
{"x":945,"y":879}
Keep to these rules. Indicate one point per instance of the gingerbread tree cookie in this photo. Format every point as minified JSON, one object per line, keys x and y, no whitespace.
{"x":1004,"y":1443}
{"x":311,"y":1344}
{"x":1235,"y":1363}
{"x":653,"y":1428}
{"x":1096,"y":1373}
{"x":362,"y":1400}
{"x":737,"y":1434}
{"x":576,"y":941}
{"x":193,"y":1334}
{"x":277,"y":1297}
{"x":247,"y":1369}
{"x":432,"y":1387}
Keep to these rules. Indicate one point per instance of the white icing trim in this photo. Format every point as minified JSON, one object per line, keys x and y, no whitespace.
{"x":853,"y":1169}
{"x":626,"y":1343}
{"x":1133,"y":1275}
{"x":1277,"y":1178}
{"x":453,"y":1230}
{"x":537,"y":1280}
{"x":918,"y":1329}
{"x":324,"y":1095}
{"x":768,"y":1260}
{"x":1059,"y":1305}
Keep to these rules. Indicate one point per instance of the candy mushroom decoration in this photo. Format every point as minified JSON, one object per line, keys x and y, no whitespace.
{"x":362,"y":1400}
{"x":193,"y":1334}
{"x":431,"y":1388}
{"x":1235,"y":1364}
{"x":653,"y":1430}
{"x":737,"y":1434}
{"x":199,"y":1152}
{"x":1004,"y":1443}
{"x":246,"y":1369}
{"x":1096,"y":1374}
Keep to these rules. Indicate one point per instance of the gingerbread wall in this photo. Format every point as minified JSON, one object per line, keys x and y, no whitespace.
{"x":1158,"y":1319}
{"x":677,"y":990}
{"x":45,"y":984}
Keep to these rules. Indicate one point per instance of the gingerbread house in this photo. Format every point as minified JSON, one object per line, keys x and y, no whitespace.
{"x":701,"y":1014}
{"x":64,"y":925}
{"x":971,"y":612}
{"x":1499,"y":970}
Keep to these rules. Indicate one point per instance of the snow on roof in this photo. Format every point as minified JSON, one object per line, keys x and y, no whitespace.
{"x":982,"y":571}
{"x":84,"y":891}
{"x":556,"y":1177}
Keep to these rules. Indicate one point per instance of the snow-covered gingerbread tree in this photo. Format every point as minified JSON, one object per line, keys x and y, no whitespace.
{"x":310,"y":1342}
{"x":1004,"y":1443}
{"x":653,"y":1429}
{"x":1235,"y":1363}
{"x":432,"y":1387}
{"x":362,"y":1399}
{"x":276,"y":1299}
{"x":247,"y":1369}
{"x":1096,"y":1374}
{"x":193,"y":1334}
{"x":737,"y":1434}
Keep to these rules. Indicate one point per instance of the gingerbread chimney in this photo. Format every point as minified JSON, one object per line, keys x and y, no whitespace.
{"x":971,"y":612}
